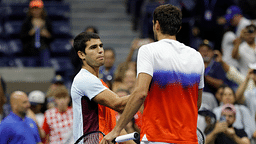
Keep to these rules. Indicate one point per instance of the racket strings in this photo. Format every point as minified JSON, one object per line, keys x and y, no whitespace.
{"x":93,"y":138}
{"x":200,"y":137}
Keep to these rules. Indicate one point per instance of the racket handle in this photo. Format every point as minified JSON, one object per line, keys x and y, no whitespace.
{"x":127,"y":137}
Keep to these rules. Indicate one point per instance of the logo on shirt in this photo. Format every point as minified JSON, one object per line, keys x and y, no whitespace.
{"x":31,"y":125}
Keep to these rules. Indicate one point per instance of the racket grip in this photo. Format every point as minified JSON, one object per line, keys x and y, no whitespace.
{"x":127,"y":137}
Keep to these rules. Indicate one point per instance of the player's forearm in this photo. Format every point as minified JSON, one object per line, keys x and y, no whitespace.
{"x":121,"y":103}
{"x":133,"y":105}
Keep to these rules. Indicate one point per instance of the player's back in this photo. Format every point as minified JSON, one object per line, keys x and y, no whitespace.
{"x":170,"y":112}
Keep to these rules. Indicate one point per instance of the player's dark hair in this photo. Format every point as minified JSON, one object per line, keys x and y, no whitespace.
{"x":110,"y":49}
{"x":81,"y":39}
{"x":169,"y":18}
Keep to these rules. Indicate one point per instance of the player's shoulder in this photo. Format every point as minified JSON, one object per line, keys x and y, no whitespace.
{"x":83,"y":76}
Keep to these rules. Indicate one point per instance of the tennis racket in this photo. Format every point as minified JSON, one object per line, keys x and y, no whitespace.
{"x":95,"y":137}
{"x":200,"y":136}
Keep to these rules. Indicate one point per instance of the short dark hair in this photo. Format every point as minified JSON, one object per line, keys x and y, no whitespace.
{"x":169,"y":18}
{"x":110,"y":49}
{"x":81,"y":39}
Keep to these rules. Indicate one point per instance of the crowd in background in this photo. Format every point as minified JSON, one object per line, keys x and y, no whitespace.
{"x":223,"y":32}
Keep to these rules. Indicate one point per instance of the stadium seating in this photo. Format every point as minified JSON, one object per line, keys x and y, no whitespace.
{"x":60,"y":47}
{"x":61,"y":29}
{"x":57,"y":10}
{"x":63,"y":66}
{"x":12,"y":28}
{"x":15,"y":47}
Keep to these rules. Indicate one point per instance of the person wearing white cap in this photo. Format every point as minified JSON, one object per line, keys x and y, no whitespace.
{"x":37,"y":99}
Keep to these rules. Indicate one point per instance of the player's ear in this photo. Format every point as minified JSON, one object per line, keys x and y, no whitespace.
{"x":81,"y":55}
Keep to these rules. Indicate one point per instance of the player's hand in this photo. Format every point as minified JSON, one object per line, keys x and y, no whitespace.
{"x":109,"y":138}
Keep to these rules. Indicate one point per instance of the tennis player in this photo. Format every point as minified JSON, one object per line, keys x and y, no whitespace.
{"x":92,"y":100}
{"x":169,"y":82}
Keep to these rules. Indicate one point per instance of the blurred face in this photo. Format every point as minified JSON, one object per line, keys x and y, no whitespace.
{"x":20,"y":103}
{"x":219,"y":94}
{"x":129,"y":78}
{"x":36,"y":12}
{"x":94,"y":53}
{"x":230,"y":117}
{"x":228,"y":97}
{"x":62,"y":103}
{"x":250,"y":37}
{"x":109,"y":59}
{"x":206,"y":53}
{"x":235,"y":20}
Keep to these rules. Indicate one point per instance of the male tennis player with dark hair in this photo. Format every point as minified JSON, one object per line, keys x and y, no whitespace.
{"x":92,"y":100}
{"x":169,"y":82}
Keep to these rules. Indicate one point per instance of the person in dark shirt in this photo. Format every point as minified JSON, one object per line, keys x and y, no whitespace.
{"x":36,"y":32}
{"x":224,"y":132}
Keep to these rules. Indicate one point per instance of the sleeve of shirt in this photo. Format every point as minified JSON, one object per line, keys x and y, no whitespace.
{"x":241,"y":133}
{"x":145,"y":61}
{"x":45,"y":126}
{"x":5,"y":133}
{"x":90,"y":86}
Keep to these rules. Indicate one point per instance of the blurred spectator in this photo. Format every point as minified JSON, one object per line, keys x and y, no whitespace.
{"x":129,"y":62}
{"x":244,"y":52}
{"x":128,"y":81}
{"x":248,"y":96}
{"x":106,"y":72}
{"x":224,"y":130}
{"x":5,"y":108}
{"x":209,"y":100}
{"x":235,"y":18}
{"x":206,"y":118}
{"x":214,"y":73}
{"x":57,"y":81}
{"x":17,"y":127}
{"x":58,"y":122}
{"x":208,"y":20}
{"x":91,"y":29}
{"x":227,"y":46}
{"x":37,"y":99}
{"x":36,"y":32}
{"x":244,"y":119}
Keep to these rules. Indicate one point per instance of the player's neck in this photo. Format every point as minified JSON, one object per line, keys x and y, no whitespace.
{"x":92,"y":70}
{"x":161,"y":36}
